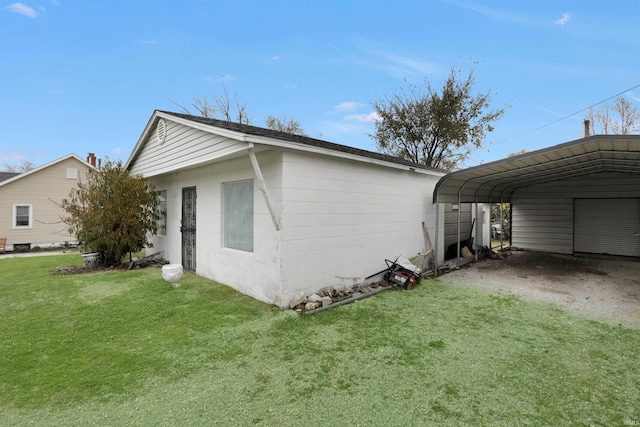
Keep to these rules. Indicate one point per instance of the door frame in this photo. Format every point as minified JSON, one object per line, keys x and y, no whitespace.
{"x":188,"y":228}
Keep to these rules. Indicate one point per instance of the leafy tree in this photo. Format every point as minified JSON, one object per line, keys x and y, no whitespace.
{"x":621,"y":118}
{"x":501,"y":220}
{"x":113,"y":213}
{"x":24,"y":166}
{"x":285,"y":125}
{"x":437,"y":129}
{"x":220,"y":107}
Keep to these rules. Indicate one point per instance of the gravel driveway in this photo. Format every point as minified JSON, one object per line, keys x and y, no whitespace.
{"x":603,"y":288}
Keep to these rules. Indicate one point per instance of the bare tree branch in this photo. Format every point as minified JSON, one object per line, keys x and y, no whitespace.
{"x":621,"y":118}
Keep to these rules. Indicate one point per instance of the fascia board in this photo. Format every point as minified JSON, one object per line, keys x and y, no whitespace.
{"x":334,"y":153}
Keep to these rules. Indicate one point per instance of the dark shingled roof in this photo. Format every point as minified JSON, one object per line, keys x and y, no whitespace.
{"x":7,"y":175}
{"x":269,"y":133}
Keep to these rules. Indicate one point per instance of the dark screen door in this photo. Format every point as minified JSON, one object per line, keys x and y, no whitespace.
{"x":188,"y":228}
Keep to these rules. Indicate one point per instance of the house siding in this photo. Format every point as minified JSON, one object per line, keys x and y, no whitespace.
{"x":182,"y":147}
{"x":342,"y":219}
{"x":542,"y":215}
{"x":43,"y":190}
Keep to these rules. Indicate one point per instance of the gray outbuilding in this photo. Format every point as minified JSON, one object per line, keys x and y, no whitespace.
{"x":582,"y":196}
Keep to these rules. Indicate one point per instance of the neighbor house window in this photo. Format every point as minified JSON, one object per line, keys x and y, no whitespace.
{"x":72,"y":173}
{"x":238,"y":215}
{"x":22,"y":216}
{"x":162,"y":207}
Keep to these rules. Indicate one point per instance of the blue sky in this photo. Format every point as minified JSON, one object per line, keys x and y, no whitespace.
{"x":85,"y":76}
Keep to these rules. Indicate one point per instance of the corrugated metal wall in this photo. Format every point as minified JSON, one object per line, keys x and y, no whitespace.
{"x":451,"y":222}
{"x":607,"y":226}
{"x":543,"y":215}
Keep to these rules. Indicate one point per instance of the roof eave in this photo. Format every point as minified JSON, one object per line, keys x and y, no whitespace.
{"x":46,"y":165}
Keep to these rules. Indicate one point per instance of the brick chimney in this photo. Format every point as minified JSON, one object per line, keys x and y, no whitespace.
{"x":587,"y":126}
{"x":91,"y":159}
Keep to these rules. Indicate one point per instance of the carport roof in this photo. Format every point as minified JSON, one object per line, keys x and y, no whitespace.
{"x":496,"y":181}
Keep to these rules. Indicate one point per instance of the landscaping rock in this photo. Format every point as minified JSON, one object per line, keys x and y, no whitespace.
{"x":314,"y":298}
{"x":298,"y":299}
{"x":311,"y":306}
{"x":327,"y":291}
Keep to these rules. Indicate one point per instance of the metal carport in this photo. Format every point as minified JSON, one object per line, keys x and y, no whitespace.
{"x":497,"y":181}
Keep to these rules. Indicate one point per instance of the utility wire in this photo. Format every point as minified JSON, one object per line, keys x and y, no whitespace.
{"x":570,"y":115}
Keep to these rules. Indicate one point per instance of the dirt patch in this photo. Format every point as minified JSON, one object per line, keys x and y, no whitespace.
{"x":62,"y":271}
{"x":604,"y":288}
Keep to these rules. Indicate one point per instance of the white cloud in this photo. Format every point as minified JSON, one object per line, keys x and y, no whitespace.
{"x":22,"y":9}
{"x":274,"y":58}
{"x":118,"y":150}
{"x":149,"y":42}
{"x":226,"y":78}
{"x":222,"y":79}
{"x":398,"y":64}
{"x":368,"y":118}
{"x":502,"y":15}
{"x":631,"y":96}
{"x":348,"y":106}
{"x":566,"y":17}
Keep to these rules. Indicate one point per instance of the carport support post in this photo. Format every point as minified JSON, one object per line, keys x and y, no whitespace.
{"x":435,"y":248}
{"x":458,"y":244}
{"x":475,"y":209}
{"x":490,"y":225}
{"x":501,"y":223}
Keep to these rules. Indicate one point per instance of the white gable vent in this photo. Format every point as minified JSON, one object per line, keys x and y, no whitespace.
{"x":161,"y":131}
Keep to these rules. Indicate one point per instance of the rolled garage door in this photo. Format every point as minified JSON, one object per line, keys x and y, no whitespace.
{"x":607,"y":226}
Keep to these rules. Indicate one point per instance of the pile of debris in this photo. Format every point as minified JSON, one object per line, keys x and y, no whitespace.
{"x":149,"y":260}
{"x":329,"y":297}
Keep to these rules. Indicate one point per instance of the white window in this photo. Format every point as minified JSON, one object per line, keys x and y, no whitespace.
{"x":72,"y":173}
{"x":162,"y":207}
{"x":22,"y":216}
{"x":237,"y":215}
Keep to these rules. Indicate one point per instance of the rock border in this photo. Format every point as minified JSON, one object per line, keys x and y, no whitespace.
{"x":329,"y":297}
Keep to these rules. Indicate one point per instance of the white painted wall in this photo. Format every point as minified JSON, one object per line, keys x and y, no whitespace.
{"x":256,"y":274}
{"x":542,"y":215}
{"x":341,"y":219}
{"x":482,"y":230}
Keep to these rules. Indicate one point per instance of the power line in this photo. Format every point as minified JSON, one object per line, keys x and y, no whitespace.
{"x":570,"y":115}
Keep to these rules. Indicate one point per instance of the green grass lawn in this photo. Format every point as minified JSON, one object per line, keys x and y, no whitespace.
{"x":124,"y":348}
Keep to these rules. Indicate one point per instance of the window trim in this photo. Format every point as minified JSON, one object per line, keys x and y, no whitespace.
{"x":162,"y":223}
{"x":14,"y":217}
{"x":225,"y":243}
{"x":72,"y":173}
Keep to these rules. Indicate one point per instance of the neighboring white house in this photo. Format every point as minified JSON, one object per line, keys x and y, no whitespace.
{"x":273,"y":214}
{"x":30,"y":212}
